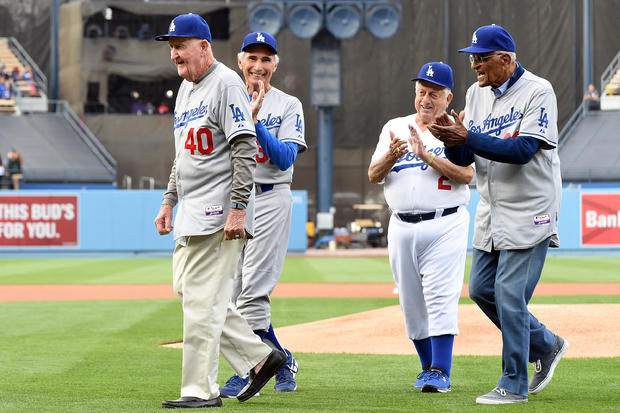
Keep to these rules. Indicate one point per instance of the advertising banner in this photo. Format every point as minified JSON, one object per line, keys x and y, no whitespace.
{"x":600,"y":219}
{"x":38,"y":221}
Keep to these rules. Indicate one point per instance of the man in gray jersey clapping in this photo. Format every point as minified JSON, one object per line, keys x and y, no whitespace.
{"x":509,"y":128}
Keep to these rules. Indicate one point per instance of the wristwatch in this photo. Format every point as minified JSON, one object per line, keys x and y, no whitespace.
{"x":237,"y":205}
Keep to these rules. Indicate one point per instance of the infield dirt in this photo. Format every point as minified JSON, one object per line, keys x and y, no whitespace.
{"x":591,"y":329}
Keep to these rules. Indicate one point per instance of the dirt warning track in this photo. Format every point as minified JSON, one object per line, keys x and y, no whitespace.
{"x":71,"y":292}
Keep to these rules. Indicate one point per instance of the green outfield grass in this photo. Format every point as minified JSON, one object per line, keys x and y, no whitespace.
{"x":104,"y":356}
{"x":296,"y":269}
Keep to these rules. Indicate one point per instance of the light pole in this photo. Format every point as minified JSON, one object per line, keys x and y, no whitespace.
{"x":326,"y":23}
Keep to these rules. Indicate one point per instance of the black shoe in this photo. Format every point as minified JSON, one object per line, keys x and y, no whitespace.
{"x":188,"y":402}
{"x":545,"y":366}
{"x":274,"y":362}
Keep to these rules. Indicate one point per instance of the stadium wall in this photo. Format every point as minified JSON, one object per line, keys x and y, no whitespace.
{"x":122,"y":221}
{"x":99,"y":221}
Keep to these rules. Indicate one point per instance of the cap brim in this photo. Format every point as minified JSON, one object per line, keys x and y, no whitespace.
{"x":261,"y":43}
{"x":164,"y":37}
{"x":430,"y":81}
{"x":476,"y":49}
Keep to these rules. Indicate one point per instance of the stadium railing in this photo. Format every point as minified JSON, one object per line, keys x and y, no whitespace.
{"x":610,"y":71}
{"x":62,"y":108}
{"x":23,"y":56}
{"x":572,"y":123}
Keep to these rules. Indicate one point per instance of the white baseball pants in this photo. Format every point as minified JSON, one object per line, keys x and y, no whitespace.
{"x":428,"y":265}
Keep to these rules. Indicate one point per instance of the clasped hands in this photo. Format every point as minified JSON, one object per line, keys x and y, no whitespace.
{"x":450,"y":132}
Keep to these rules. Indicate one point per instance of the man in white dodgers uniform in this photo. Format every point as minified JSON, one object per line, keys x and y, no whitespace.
{"x":510,"y":130}
{"x":427,"y":236}
{"x":279,"y":121}
{"x":211,"y":178}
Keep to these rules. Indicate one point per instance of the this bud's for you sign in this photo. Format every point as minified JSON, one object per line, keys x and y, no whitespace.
{"x":34,"y":221}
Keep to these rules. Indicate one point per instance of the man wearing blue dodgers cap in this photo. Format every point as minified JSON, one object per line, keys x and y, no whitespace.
{"x":279,"y":121}
{"x":427,"y":235}
{"x":211,"y":181}
{"x":509,"y":128}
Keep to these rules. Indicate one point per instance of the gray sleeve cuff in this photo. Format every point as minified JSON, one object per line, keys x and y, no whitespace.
{"x":170,"y":196}
{"x":243,"y":149}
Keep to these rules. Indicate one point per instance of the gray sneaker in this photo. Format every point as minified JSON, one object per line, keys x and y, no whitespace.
{"x":501,"y":396}
{"x":544,"y":367}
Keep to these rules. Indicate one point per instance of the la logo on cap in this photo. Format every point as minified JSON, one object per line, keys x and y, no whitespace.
{"x":260,"y":37}
{"x":430,"y":72}
{"x":171,"y":27}
{"x":474,"y":39}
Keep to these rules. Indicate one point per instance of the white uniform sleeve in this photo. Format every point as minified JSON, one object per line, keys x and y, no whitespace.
{"x":384,"y":143}
{"x":540,"y":119}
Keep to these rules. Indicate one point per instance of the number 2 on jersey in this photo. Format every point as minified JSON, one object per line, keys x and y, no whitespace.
{"x":442,"y":185}
{"x":202,"y":133}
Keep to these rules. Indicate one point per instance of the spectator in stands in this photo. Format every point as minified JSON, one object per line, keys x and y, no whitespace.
{"x":1,"y":170}
{"x":6,"y":91}
{"x":28,"y":74}
{"x":3,"y":70}
{"x":137,"y":107}
{"x":14,"y":167}
{"x":145,"y":32}
{"x":15,"y":74}
{"x":592,"y":97}
{"x":12,"y":87}
{"x":163,"y":108}
{"x":149,"y":108}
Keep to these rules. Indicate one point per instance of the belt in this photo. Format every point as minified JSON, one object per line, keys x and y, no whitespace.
{"x":264,"y":187}
{"x":414,"y":218}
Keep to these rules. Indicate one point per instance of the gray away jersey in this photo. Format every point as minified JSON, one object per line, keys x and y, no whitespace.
{"x":207,"y":116}
{"x":283,"y":116}
{"x":519,"y":204}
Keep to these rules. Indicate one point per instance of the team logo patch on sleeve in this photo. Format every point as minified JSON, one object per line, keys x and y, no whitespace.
{"x":542,"y":219}
{"x":214,"y":210}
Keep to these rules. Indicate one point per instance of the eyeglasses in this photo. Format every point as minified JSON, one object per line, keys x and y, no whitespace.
{"x":480,"y":59}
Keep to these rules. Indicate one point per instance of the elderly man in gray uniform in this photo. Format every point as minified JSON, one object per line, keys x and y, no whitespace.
{"x":211,"y":179}
{"x":279,"y":121}
{"x":510,"y":129}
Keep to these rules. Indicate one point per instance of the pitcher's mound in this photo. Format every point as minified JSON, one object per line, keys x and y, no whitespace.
{"x":591,"y":329}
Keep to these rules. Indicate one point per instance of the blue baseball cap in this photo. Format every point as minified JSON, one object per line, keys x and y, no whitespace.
{"x":260,"y":38}
{"x":187,"y":25}
{"x":490,"y":39}
{"x":438,"y":73}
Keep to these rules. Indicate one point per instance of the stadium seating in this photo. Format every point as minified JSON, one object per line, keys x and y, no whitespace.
{"x":25,"y":88}
{"x":613,"y":87}
{"x":54,"y":150}
{"x":58,"y":149}
{"x":9,"y":59}
{"x":610,"y":84}
{"x":7,"y":105}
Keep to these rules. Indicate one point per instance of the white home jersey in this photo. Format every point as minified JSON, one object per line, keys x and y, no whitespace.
{"x":282,"y":115}
{"x":411,"y":185}
{"x":207,"y":116}
{"x":520,"y":204}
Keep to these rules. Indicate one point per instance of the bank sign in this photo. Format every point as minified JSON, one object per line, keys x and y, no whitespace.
{"x":38,"y":221}
{"x":600,"y":219}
